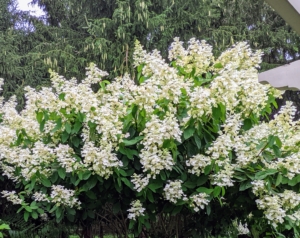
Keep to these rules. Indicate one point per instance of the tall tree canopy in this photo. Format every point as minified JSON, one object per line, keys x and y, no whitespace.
{"x":76,"y":32}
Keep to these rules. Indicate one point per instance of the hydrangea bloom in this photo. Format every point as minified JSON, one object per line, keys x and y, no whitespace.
{"x":168,"y":131}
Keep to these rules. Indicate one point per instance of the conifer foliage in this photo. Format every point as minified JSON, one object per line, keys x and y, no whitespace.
{"x":74,"y":33}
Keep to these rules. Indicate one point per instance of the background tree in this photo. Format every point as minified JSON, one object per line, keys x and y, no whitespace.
{"x":74,"y":33}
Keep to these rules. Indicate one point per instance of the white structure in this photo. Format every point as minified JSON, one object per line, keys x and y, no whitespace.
{"x":287,"y":76}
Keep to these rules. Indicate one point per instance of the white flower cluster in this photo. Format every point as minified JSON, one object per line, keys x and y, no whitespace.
{"x":136,"y":210}
{"x":153,"y":157}
{"x":29,"y":160}
{"x":278,"y":206}
{"x":198,"y":55}
{"x":173,"y":191}
{"x":224,"y":177}
{"x":241,"y":229}
{"x":139,"y":182}
{"x":12,"y":197}
{"x":166,"y":101}
{"x":258,"y":187}
{"x":290,"y":199}
{"x":65,"y":197}
{"x":44,"y":217}
{"x":272,"y":207}
{"x":60,"y":196}
{"x":94,"y":75}
{"x":295,"y":217}
{"x":103,"y":161}
{"x":198,"y":164}
{"x":66,"y":159}
{"x":198,"y":201}
{"x":40,"y":197}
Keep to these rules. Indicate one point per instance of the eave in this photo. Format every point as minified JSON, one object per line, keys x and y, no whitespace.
{"x":285,"y":77}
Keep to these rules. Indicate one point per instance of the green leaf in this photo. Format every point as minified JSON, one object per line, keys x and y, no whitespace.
{"x":163,"y":175}
{"x":76,"y":127}
{"x":142,"y":79}
{"x":261,"y":145}
{"x":81,"y":116}
{"x":128,"y":152}
{"x":71,"y":211}
{"x":197,"y":141}
{"x":46,"y":182}
{"x":20,"y":209}
{"x":140,"y":67}
{"x":150,"y":196}
{"x":223,"y":191}
{"x":271,"y":140}
{"x":263,"y":174}
{"x":28,"y":209}
{"x":91,"y":195}
{"x":245,"y":185}
{"x":205,"y":190}
{"x":207,"y":169}
{"x":39,"y":117}
{"x":70,"y":217}
{"x":176,"y":210}
{"x":34,"y":215}
{"x":189,"y":132}
{"x":62,"y":96}
{"x":155,"y":185}
{"x":58,"y":220}
{"x":58,"y":212}
{"x":132,"y":141}
{"x":42,"y":125}
{"x":86,"y":175}
{"x":122,"y":172}
{"x":33,"y":205}
{"x":131,"y":224}
{"x":4,"y":227}
{"x":40,"y":211}
{"x":26,"y":216}
{"x":202,"y":180}
{"x":218,"y":66}
{"x":61,"y":172}
{"x":58,"y":125}
{"x":278,"y":141}
{"x":217,"y":113}
{"x":68,"y":127}
{"x":247,"y":124}
{"x":278,"y":180}
{"x":190,"y":184}
{"x":64,"y":137}
{"x":208,"y":210}
{"x":76,"y":141}
{"x":277,"y":151}
{"x":267,"y":155}
{"x":294,"y":181}
{"x":77,"y":182}
{"x":217,"y":191}
{"x":53,"y":208}
{"x":92,"y":182}
{"x":183,"y":176}
{"x":127,"y":182}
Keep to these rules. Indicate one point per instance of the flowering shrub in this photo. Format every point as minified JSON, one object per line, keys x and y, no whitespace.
{"x":180,"y":138}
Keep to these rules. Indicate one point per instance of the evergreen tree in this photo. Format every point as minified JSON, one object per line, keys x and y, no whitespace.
{"x":108,"y":28}
{"x":76,"y":32}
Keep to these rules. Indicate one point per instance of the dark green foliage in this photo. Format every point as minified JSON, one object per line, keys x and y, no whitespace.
{"x":82,"y":31}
